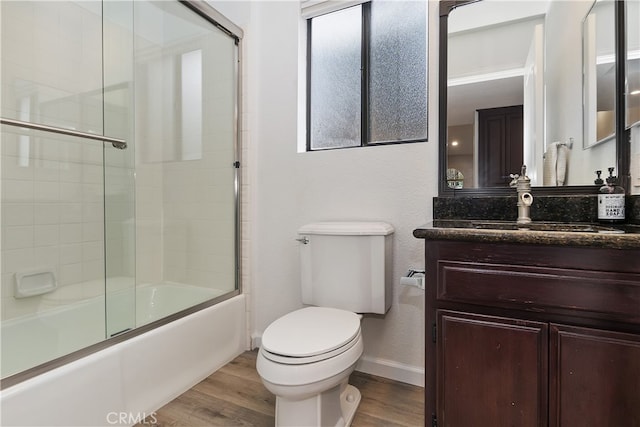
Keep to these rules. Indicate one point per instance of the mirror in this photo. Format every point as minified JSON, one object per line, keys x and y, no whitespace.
{"x":514,"y":94}
{"x":632,"y":64}
{"x":599,"y":74}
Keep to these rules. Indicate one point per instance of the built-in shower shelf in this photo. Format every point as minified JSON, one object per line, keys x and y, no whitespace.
{"x":37,"y":282}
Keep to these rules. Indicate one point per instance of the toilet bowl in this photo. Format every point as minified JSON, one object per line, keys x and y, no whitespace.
{"x":305,"y":359}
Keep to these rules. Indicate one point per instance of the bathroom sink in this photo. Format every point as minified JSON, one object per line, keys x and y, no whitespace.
{"x":538,"y":226}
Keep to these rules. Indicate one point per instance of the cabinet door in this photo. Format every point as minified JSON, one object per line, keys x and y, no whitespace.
{"x":596,"y":376}
{"x":492,"y":371}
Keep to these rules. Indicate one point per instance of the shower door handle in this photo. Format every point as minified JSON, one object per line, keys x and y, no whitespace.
{"x":116,"y":142}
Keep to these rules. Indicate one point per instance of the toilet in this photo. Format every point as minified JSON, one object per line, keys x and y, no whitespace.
{"x":307,"y":355}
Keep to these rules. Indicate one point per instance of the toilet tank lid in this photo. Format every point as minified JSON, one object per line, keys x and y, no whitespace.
{"x":348,"y":228}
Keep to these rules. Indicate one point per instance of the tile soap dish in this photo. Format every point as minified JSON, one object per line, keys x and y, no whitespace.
{"x":36,"y":282}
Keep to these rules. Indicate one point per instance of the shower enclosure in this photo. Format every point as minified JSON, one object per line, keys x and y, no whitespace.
{"x":119,"y":198}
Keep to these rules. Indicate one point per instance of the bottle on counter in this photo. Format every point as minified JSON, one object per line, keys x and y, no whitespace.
{"x":611,"y":200}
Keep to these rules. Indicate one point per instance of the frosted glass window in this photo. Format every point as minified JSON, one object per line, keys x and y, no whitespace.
{"x":368,"y":75}
{"x":398,"y":78}
{"x":336,"y":79}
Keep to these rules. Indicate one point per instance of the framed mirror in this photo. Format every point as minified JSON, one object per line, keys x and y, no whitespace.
{"x":513,"y":95}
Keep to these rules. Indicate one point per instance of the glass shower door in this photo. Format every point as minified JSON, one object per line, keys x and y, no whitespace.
{"x":185,"y":102}
{"x":53,"y":180}
{"x":98,"y":240}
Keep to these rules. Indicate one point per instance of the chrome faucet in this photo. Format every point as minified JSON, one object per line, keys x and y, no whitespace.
{"x":525,"y":199}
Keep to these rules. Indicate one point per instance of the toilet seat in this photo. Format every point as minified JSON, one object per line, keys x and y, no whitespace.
{"x":292,"y":360}
{"x":310,"y":335}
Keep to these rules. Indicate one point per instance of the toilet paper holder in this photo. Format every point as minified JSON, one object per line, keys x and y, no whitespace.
{"x":412,"y":272}
{"x":413,"y":277}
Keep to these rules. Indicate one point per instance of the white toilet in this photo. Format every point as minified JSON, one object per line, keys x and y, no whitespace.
{"x":306,"y":356}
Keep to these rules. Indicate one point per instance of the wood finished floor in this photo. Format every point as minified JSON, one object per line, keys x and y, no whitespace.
{"x":235,"y":396}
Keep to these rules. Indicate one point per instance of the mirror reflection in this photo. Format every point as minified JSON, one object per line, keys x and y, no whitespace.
{"x":632,"y":64}
{"x":515,"y":93}
{"x":599,"y":73}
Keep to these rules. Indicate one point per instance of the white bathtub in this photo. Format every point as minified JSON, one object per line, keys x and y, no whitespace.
{"x":124,"y":382}
{"x":30,"y":340}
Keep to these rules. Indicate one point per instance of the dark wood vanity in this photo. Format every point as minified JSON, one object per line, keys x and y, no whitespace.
{"x":531,"y":328}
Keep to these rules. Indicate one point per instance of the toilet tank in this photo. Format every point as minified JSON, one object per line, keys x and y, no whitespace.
{"x":347,"y":265}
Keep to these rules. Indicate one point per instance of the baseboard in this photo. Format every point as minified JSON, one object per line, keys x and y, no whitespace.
{"x":393,"y":370}
{"x":256,"y":341}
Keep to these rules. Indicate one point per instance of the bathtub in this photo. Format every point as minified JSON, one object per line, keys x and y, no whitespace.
{"x":122,"y":383}
{"x":66,"y":327}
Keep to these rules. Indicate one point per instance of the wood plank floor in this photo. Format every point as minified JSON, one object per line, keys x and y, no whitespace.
{"x":235,"y":396}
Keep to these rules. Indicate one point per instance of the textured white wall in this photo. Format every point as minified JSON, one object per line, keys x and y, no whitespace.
{"x":288,"y":189}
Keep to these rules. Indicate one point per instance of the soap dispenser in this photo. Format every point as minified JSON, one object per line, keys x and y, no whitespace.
{"x":611,"y":200}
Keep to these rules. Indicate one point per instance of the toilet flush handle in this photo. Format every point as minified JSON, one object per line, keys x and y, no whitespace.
{"x":304,"y":240}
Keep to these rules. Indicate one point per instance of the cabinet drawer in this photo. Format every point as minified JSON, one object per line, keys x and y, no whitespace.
{"x":540,"y":288}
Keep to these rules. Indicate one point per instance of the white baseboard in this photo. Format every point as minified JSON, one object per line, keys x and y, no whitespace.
{"x":393,"y":370}
{"x":256,"y":341}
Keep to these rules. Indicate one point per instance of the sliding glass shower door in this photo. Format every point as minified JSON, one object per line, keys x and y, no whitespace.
{"x":118,"y":173}
{"x":185,"y":114}
{"x":53,"y":180}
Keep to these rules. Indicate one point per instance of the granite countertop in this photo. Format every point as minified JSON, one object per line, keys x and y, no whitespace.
{"x":539,"y":233}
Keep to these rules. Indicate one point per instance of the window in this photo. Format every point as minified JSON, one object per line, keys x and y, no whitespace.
{"x":367,"y":75}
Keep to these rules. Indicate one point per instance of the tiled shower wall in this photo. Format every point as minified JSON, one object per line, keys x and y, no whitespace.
{"x":52,"y":186}
{"x":185,"y":197}
{"x":178,"y":226}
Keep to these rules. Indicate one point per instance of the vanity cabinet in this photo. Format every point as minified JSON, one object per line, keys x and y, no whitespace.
{"x":532,"y":335}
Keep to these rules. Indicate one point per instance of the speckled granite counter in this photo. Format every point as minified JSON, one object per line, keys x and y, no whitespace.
{"x":566,"y":234}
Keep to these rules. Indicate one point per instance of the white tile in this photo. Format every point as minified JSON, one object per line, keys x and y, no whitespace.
{"x":148,"y":211}
{"x":70,"y":233}
{"x":47,"y":257}
{"x":92,"y":270}
{"x":92,"y":231}
{"x":92,"y":193}
{"x":46,"y":191}
{"x":92,"y":153}
{"x":47,"y":148}
{"x":46,"y":213}
{"x":70,"y":192}
{"x":10,"y":144}
{"x":17,"y":260}
{"x":70,"y":273}
{"x":17,"y":237}
{"x":71,"y":172}
{"x":8,"y":286}
{"x":92,"y":174}
{"x":92,"y":251}
{"x":46,"y":170}
{"x":92,"y":212}
{"x":17,"y":214}
{"x":70,"y":213}
{"x":46,"y":235}
{"x":71,"y":253}
{"x":17,"y":191}
{"x":14,"y":168}
{"x":70,"y":151}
